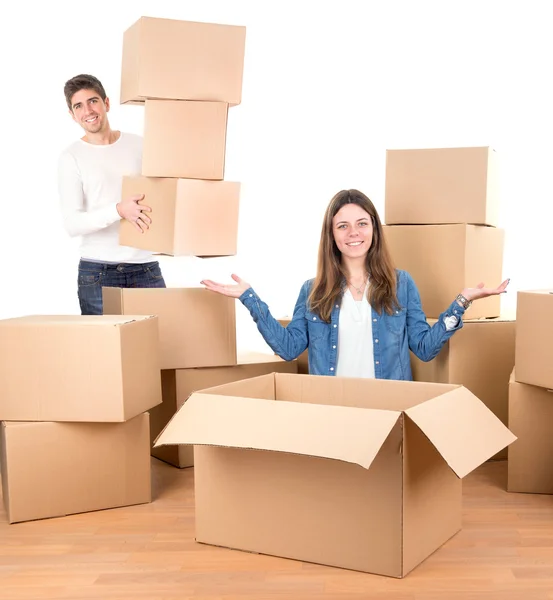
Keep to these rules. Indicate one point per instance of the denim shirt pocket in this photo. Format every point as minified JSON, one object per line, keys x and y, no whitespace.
{"x":396,"y":322}
{"x":316,"y":328}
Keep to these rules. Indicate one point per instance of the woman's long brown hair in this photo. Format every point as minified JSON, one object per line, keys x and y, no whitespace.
{"x":328,"y":286}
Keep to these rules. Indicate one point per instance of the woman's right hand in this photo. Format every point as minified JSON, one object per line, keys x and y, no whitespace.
{"x":234,"y":291}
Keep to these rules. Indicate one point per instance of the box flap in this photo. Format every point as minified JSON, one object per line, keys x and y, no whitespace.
{"x":353,"y":435}
{"x":464,"y":431}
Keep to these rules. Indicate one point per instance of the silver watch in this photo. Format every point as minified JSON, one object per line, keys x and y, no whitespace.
{"x":463,"y":301}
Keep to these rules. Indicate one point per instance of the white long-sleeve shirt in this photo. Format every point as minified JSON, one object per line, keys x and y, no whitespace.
{"x":89,"y":183}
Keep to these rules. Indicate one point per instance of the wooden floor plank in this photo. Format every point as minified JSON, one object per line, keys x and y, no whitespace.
{"x":504,"y":552}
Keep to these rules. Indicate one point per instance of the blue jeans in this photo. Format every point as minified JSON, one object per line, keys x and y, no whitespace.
{"x":93,"y":276}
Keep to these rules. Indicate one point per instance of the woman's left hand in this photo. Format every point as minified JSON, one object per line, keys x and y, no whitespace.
{"x":480,"y":291}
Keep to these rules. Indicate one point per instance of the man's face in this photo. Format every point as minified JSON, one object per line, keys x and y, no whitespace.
{"x":90,"y":111}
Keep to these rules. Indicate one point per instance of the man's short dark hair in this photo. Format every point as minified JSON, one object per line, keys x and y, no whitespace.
{"x":82,"y":82}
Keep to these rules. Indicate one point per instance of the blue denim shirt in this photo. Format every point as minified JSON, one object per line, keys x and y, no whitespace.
{"x":393,"y":335}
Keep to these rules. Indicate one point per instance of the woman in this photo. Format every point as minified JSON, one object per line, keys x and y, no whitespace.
{"x":359,"y":317}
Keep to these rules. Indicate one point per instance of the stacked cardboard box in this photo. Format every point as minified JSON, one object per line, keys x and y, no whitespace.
{"x":186,"y":75}
{"x":74,"y":392}
{"x":441,"y":214}
{"x":480,"y":357}
{"x":530,"y":466}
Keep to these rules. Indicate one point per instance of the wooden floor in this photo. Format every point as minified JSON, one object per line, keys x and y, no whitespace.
{"x":504,"y":552}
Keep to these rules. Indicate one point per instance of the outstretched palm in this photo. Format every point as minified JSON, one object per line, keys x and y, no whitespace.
{"x":480,"y":291}
{"x":234,"y":291}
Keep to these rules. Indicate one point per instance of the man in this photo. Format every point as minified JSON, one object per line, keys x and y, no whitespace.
{"x":90,"y":174}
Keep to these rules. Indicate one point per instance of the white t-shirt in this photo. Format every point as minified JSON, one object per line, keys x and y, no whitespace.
{"x":355,"y":340}
{"x":89,"y":182}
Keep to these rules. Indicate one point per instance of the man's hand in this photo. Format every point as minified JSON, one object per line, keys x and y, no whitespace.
{"x":133,"y":212}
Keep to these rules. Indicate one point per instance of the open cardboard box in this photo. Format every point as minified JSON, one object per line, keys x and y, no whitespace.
{"x":362,"y":474}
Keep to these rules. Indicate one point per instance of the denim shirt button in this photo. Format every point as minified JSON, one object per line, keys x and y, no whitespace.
{"x":314,"y":318}
{"x":376,"y":341}
{"x":334,"y":347}
{"x":374,"y":320}
{"x":251,"y":295}
{"x":337,"y":306}
{"x":332,"y":368}
{"x":377,"y":362}
{"x":335,"y":325}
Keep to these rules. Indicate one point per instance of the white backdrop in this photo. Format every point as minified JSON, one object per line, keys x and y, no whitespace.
{"x":327,"y":88}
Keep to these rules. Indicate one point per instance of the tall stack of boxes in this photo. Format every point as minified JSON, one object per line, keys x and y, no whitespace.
{"x":74,"y":396}
{"x":186,"y":75}
{"x":531,"y":395}
{"x":441,"y":215}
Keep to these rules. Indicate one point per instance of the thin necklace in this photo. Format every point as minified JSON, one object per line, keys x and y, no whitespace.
{"x":359,"y":289}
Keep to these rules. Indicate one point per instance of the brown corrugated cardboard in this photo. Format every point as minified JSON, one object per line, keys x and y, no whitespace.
{"x":182,"y":60}
{"x":177,"y":385}
{"x":445,"y":259}
{"x":442,"y":185}
{"x":184,"y":139}
{"x":303,"y":358}
{"x":530,"y":457}
{"x":355,"y":473}
{"x":197,"y":328}
{"x":480,"y":356}
{"x":190,"y":217}
{"x":57,"y":469}
{"x":534,"y":340}
{"x":78,"y":368}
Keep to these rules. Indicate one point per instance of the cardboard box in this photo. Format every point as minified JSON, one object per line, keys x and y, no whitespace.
{"x":78,"y":368}
{"x":303,"y":358}
{"x":442,"y":185}
{"x":361,"y":474}
{"x":197,"y":328}
{"x":534,"y":341}
{"x":58,"y":469}
{"x":190,"y":217}
{"x":177,"y":385}
{"x":184,"y":139}
{"x":530,"y":457}
{"x":445,"y":259}
{"x":182,"y":60}
{"x":480,"y":356}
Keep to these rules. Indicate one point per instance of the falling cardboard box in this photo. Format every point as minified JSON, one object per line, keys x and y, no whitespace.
{"x":355,"y":473}
{"x":190,"y":217}
{"x":184,"y":139}
{"x":182,"y":60}
{"x":78,"y":368}
{"x":442,"y":185}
